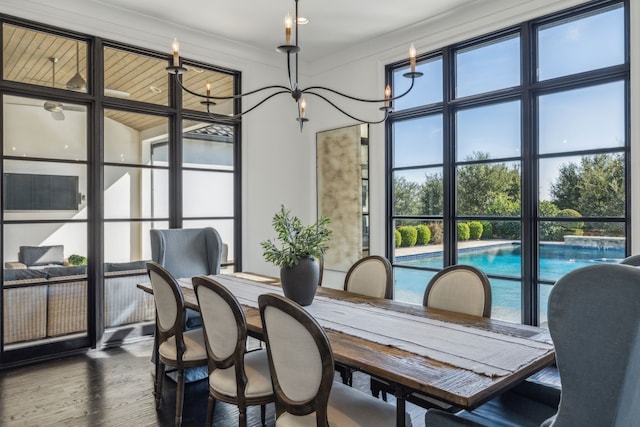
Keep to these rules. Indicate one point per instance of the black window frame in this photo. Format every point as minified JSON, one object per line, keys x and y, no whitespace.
{"x":528,"y":92}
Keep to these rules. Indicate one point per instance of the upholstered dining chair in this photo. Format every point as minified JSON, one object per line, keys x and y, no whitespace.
{"x":187,"y":252}
{"x":461,"y":288}
{"x":301,"y":364}
{"x":370,"y":276}
{"x":594,"y":323}
{"x":633,"y":260}
{"x":235,"y":376}
{"x":176,"y":347}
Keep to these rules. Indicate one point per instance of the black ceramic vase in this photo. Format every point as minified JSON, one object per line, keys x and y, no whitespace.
{"x":300,"y":282}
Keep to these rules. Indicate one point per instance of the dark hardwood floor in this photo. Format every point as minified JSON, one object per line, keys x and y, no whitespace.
{"x":113,"y":387}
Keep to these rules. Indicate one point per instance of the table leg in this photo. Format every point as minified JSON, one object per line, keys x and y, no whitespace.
{"x":401,"y":405}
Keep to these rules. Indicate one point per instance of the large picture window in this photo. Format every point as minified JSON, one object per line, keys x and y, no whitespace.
{"x":514,"y":157}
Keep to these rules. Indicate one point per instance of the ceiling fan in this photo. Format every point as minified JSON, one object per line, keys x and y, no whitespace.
{"x":56,"y":108}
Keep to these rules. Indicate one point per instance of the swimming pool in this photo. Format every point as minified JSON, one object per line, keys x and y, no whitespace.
{"x":502,"y":260}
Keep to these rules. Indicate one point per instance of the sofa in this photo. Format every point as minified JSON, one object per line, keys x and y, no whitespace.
{"x":49,"y":298}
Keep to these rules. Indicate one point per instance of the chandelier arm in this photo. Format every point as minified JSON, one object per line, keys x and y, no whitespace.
{"x":355,"y":98}
{"x":386,"y":110}
{"x":235,"y":116}
{"x":240,"y":95}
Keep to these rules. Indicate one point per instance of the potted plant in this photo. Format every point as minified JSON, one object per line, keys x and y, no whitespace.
{"x":297,"y":253}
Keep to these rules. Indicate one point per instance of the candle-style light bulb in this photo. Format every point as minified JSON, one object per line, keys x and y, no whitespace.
{"x":303,"y":106}
{"x":387,"y":95}
{"x":176,"y":54}
{"x":288,"y":23}
{"x":412,"y":58}
{"x":208,"y":88}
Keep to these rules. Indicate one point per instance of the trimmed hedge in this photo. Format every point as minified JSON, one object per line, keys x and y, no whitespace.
{"x":409,"y":235}
{"x":398,"y":238}
{"x":475,"y":230}
{"x":424,"y":234}
{"x":463,"y":231}
{"x":487,"y":230}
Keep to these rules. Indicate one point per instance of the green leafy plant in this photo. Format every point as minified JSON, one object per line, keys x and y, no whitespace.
{"x":295,"y":240}
{"x":463,"y":231}
{"x":409,"y":235}
{"x":424,"y":234}
{"x":76,"y":259}
{"x":398,"y":238}
{"x":475,"y":230}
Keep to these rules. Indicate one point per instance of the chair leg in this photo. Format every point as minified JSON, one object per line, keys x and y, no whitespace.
{"x":179,"y":397}
{"x":159,"y":381}
{"x":210,"y":408}
{"x":263,"y":414}
{"x":242,"y":416}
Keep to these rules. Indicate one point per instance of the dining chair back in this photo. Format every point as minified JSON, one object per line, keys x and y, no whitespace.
{"x":301,"y":363}
{"x":594,"y":323}
{"x":460,"y":288}
{"x":176,"y":347}
{"x":633,"y":260}
{"x":187,"y":252}
{"x":234,"y":376}
{"x":300,"y":358}
{"x":370,"y":276}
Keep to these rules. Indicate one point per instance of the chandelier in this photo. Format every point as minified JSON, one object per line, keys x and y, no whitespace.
{"x":297,"y":93}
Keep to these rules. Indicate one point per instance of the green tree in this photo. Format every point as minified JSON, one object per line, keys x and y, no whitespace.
{"x":594,"y":187}
{"x":479,"y":185}
{"x":406,"y":196}
{"x":431,"y":194}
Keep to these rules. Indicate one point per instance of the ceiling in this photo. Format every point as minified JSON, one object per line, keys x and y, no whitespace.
{"x":29,"y":57}
{"x":333,"y":24}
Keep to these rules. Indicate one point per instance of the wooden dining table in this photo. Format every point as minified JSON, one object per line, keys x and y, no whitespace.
{"x":408,"y":371}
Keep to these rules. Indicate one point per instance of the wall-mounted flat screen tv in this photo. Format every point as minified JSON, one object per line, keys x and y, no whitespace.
{"x":28,"y":192}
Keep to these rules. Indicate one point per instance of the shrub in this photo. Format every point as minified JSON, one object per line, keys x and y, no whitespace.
{"x":398,"y":237}
{"x":487,"y":230}
{"x":463,"y":231}
{"x":436,"y":232}
{"x":409,"y":235}
{"x":424,"y":234}
{"x":76,"y":259}
{"x":572,"y":213}
{"x":507,"y":229}
{"x":475,"y":230}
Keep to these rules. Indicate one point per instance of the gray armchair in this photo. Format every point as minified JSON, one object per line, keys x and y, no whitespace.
{"x":594,"y":322}
{"x":187,"y":252}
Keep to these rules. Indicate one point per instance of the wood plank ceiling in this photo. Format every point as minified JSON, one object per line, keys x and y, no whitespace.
{"x":28,"y":58}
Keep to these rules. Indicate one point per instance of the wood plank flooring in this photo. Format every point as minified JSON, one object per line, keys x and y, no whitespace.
{"x":113,"y":387}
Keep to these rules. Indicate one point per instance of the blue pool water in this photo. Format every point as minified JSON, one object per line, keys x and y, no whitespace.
{"x":503,"y":260}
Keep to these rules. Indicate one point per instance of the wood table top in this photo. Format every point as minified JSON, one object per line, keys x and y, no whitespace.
{"x":460,"y":387}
